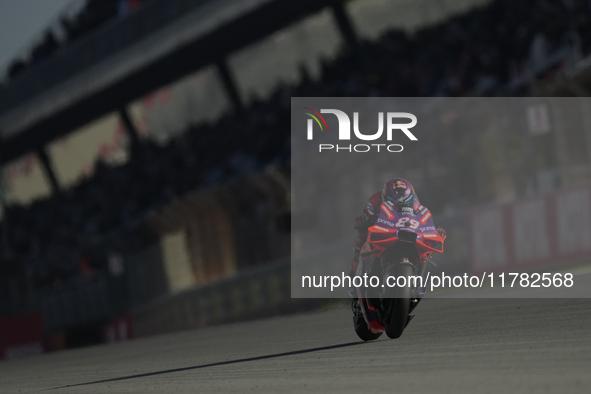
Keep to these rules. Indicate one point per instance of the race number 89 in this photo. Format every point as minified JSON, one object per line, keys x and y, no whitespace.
{"x":414,"y":224}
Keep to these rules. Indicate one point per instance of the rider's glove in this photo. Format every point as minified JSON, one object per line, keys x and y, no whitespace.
{"x":363,"y":222}
{"x":441,"y":232}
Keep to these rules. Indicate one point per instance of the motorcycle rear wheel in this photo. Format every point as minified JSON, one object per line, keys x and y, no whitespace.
{"x":400,"y":304}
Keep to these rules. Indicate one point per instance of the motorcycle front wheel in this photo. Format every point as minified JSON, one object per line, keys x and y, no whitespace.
{"x":399,"y":304}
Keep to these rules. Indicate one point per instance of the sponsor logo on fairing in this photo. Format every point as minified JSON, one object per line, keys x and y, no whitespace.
{"x":387,"y":212}
{"x":407,"y":209}
{"x":387,"y":223}
{"x":426,"y":218}
{"x":382,"y":228}
{"x":417,"y":206}
{"x":429,"y":235}
{"x":429,"y":228}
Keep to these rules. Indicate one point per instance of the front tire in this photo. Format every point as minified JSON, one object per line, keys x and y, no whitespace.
{"x":400,"y":304}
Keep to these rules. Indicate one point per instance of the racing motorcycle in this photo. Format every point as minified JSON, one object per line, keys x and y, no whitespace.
{"x":397,"y":251}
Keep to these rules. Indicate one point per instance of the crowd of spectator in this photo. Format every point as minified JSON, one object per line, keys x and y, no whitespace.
{"x":477,"y":52}
{"x":94,"y":14}
{"x":473,"y":53}
{"x":116,"y":198}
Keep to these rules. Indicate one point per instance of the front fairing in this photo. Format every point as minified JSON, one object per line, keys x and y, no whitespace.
{"x":409,"y":226}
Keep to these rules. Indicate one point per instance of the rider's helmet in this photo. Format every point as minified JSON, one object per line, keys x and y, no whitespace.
{"x":400,"y":192}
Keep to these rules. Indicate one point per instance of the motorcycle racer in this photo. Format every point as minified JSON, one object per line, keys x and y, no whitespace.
{"x":398,"y":194}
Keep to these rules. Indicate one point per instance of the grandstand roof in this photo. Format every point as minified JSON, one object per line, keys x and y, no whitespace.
{"x":129,"y":58}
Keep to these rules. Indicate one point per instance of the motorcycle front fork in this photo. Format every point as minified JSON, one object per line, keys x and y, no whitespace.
{"x":421,"y":290}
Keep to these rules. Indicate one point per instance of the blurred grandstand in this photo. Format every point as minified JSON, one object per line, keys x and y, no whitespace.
{"x":165,"y":211}
{"x":76,"y":21}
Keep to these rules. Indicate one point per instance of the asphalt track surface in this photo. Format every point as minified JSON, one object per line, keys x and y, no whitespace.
{"x":452,"y":346}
